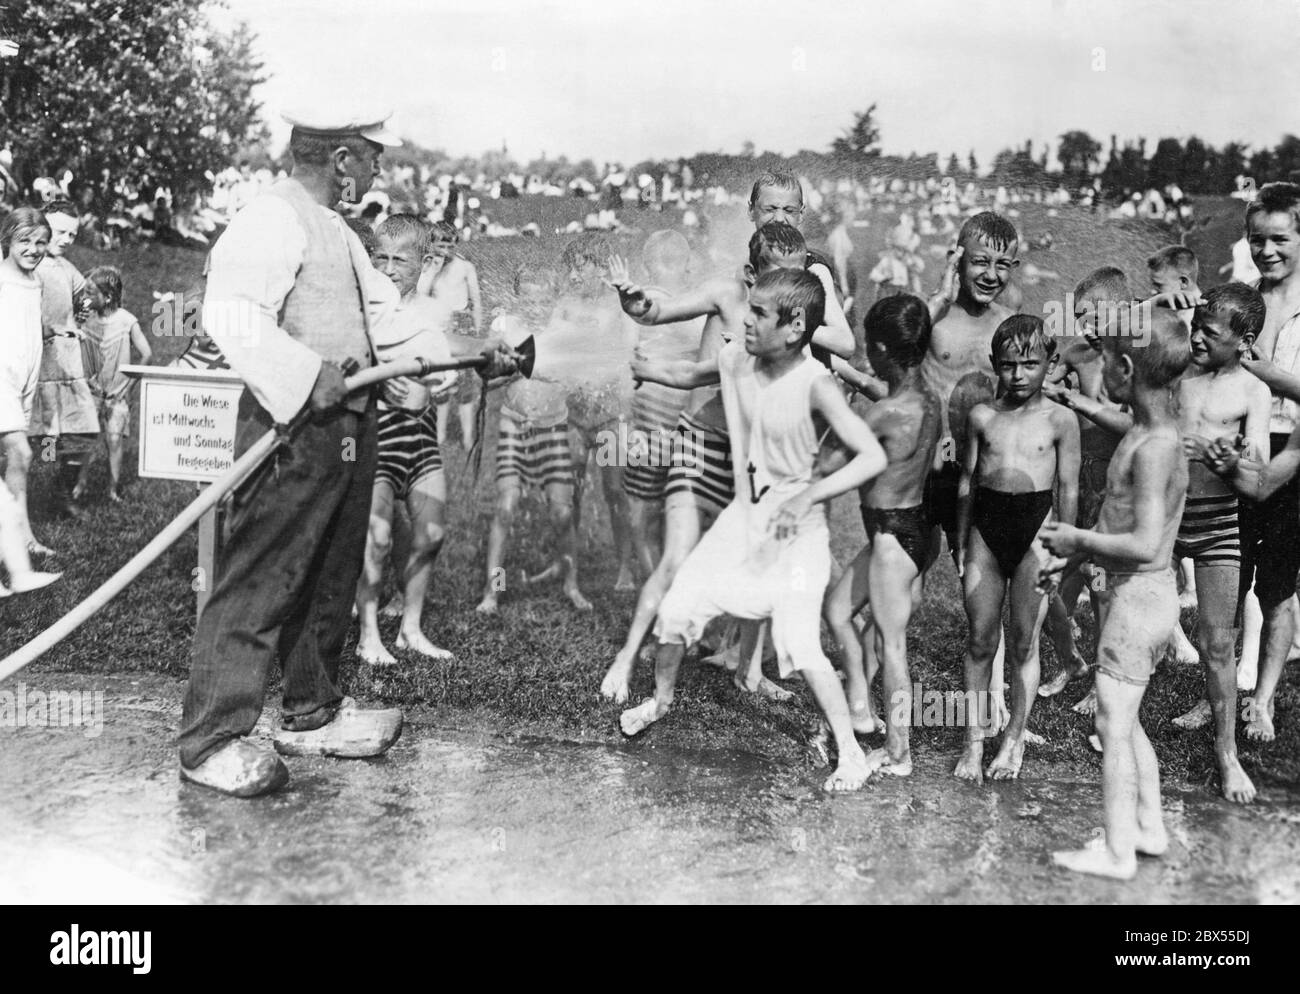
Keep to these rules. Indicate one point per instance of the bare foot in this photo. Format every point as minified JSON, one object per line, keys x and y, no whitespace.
{"x":579,"y":602}
{"x":394,"y":608}
{"x":1260,"y":726}
{"x":1088,"y":706}
{"x":765,"y":688}
{"x":1247,"y":671}
{"x":115,"y":496}
{"x":1078,"y":667}
{"x":1198,"y":717}
{"x":636,"y":720}
{"x":626,"y":581}
{"x":649,"y":653}
{"x":851,"y":774}
{"x":1185,"y":653}
{"x":35,"y":548}
{"x":416,"y":642}
{"x":488,"y":605}
{"x":864,"y":720}
{"x":374,"y":654}
{"x":971,"y":764}
{"x":550,"y":573}
{"x":1097,"y":861}
{"x":615,"y":685}
{"x":1237,"y":787}
{"x":1006,"y":764}
{"x":31,"y":580}
{"x":1034,"y":739}
{"x":879,"y":761}
{"x":1187,"y":599}
{"x":1094,"y":740}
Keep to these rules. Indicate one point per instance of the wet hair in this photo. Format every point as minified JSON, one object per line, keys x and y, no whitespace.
{"x":1159,"y":357}
{"x":62,"y":206}
{"x":1106,"y":283}
{"x":108,"y":281}
{"x":795,"y":288}
{"x":19,"y":223}
{"x":992,"y":229}
{"x":1179,"y":258}
{"x":316,"y":150}
{"x":779,"y":181}
{"x":590,"y":246}
{"x":775,"y":238}
{"x":1276,"y":198}
{"x":666,"y":250}
{"x":901,"y":326}
{"x":364,"y":232}
{"x":397,"y":227}
{"x":445,"y":231}
{"x":1242,"y":305}
{"x":1024,"y":332}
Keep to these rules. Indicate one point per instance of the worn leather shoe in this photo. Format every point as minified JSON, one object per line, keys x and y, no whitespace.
{"x":353,"y":733}
{"x":240,"y":769}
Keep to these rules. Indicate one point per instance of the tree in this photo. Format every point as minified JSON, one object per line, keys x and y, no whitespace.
{"x":862,"y":140}
{"x":1287,"y":156}
{"x":102,"y":88}
{"x":953,"y":168}
{"x":1077,"y":154}
{"x":1166,"y":164}
{"x":972,"y":165}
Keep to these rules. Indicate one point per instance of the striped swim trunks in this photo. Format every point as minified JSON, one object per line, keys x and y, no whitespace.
{"x":701,"y":467}
{"x":655,"y":413}
{"x":408,"y":448}
{"x":534,"y":456}
{"x":1208,"y":533}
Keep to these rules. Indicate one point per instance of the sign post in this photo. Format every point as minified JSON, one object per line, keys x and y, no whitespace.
{"x":187,"y":432}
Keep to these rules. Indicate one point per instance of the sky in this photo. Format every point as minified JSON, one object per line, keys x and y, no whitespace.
{"x":628,"y":80}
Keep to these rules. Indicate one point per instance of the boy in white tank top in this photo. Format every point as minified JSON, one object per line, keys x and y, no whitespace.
{"x":768,"y":554}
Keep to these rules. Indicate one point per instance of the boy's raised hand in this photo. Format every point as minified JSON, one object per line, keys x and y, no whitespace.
{"x":1058,"y":392}
{"x":1262,"y":369}
{"x":631,"y":297}
{"x":1178,"y":300}
{"x":1060,"y":539}
{"x":1223,"y":454}
{"x":946,"y":295}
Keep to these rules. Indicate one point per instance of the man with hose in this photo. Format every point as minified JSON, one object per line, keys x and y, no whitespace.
{"x":290,"y":299}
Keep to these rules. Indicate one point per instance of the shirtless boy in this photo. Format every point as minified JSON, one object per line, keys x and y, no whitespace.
{"x":666,"y":257}
{"x":1022,"y":455}
{"x":888,"y":571}
{"x":533,"y":448}
{"x":1217,"y":400}
{"x":768,"y":554}
{"x":1133,"y":542}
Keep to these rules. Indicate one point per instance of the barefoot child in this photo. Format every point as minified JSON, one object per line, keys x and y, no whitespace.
{"x":1217,"y":400}
{"x":1022,"y":454}
{"x":888,"y":571}
{"x":20,"y":578}
{"x":409,"y":466}
{"x":702,"y":483}
{"x":1133,"y":542}
{"x":768,"y":554}
{"x":533,"y":448}
{"x":117,"y":331}
{"x":24,"y":236}
{"x":655,"y":409}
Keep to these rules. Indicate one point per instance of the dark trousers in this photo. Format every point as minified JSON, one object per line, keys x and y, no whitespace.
{"x":289,"y":567}
{"x":1270,"y":539}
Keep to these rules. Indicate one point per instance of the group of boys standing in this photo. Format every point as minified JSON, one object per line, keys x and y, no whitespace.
{"x":1175,"y":396}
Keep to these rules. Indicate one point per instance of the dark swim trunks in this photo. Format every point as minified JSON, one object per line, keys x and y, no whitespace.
{"x":907,"y":524}
{"x":1008,"y":523}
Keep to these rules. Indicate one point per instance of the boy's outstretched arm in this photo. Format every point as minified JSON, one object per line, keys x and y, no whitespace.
{"x":684,"y":374}
{"x":1068,"y":459}
{"x":1279,"y":381}
{"x":700,"y":301}
{"x":868,"y":458}
{"x":1098,"y":412}
{"x":1154,"y":463}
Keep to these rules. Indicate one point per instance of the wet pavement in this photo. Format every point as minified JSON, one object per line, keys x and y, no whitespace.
{"x":97,"y":814}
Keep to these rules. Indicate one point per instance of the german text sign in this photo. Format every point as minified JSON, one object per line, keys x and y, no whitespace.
{"x":187,"y":425}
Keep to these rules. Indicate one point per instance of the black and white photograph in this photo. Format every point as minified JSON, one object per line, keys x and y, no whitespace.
{"x":495,"y":452}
